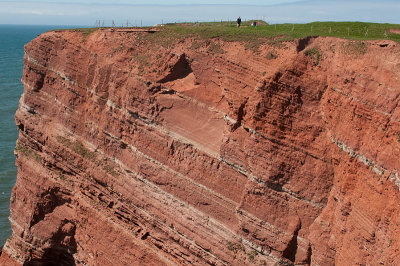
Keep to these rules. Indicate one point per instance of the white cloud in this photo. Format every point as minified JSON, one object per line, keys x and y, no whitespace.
{"x":32,"y":12}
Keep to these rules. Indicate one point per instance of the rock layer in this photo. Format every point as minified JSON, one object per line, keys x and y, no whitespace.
{"x":205,"y":152}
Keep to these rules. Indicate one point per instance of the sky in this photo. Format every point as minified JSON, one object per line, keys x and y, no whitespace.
{"x":151,"y":12}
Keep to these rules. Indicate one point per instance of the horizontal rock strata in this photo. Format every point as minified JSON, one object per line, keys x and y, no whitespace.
{"x":133,"y":151}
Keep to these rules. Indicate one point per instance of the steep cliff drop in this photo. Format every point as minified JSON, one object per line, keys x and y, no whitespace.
{"x":136,"y":152}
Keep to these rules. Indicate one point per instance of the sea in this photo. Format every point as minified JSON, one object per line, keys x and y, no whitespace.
{"x":12,"y":41}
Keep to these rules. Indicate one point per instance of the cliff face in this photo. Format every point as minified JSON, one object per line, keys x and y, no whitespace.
{"x":206,"y":152}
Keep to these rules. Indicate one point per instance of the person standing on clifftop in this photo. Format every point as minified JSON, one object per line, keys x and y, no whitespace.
{"x":238,"y":21}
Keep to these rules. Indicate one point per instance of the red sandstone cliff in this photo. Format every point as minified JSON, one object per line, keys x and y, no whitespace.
{"x":206,"y":152}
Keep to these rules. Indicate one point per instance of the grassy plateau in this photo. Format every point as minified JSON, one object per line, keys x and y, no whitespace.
{"x":227,"y":31}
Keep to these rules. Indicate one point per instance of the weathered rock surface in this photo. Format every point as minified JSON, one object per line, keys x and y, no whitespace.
{"x":206,"y":152}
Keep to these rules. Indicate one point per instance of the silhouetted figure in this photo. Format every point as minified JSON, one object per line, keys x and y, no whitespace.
{"x":238,"y":21}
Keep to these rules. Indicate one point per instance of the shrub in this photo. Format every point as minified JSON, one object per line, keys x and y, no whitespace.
{"x":355,"y":48}
{"x":252,"y":254}
{"x":314,"y":54}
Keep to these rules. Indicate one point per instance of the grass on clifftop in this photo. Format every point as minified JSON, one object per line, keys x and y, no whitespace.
{"x":281,"y":32}
{"x":277,"y":33}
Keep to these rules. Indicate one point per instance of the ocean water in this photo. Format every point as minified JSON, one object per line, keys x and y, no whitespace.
{"x":12,"y":41}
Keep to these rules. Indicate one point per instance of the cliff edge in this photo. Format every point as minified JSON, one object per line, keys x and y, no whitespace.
{"x":133,"y":151}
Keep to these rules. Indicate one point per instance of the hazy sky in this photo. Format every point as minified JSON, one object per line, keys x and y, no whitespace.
{"x":150,"y":12}
{"x":165,"y":2}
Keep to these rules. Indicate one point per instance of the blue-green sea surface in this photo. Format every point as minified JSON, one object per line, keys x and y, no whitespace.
{"x":12,"y":41}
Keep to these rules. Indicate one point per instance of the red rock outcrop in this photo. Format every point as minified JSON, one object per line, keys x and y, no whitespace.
{"x":205,"y":152}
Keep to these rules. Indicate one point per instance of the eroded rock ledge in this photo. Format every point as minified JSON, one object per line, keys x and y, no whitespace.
{"x":206,"y":152}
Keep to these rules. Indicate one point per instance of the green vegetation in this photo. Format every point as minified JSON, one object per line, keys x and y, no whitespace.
{"x":63,"y":140}
{"x":196,"y":45}
{"x":341,"y":148}
{"x":355,"y":48}
{"x":252,"y":254}
{"x":215,"y":48}
{"x":281,"y":262}
{"x":87,"y":32}
{"x":26,"y":151}
{"x":235,"y":247}
{"x":398,"y":138}
{"x":142,"y":60}
{"x":98,"y":203}
{"x":77,"y":147}
{"x":254,"y":45}
{"x":61,"y":176}
{"x":253,"y":37}
{"x":80,"y":149}
{"x":277,"y":33}
{"x":117,"y":49}
{"x":314,"y":54}
{"x":110,"y":170}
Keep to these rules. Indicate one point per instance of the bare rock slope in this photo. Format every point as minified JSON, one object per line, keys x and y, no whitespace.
{"x":205,"y":152}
